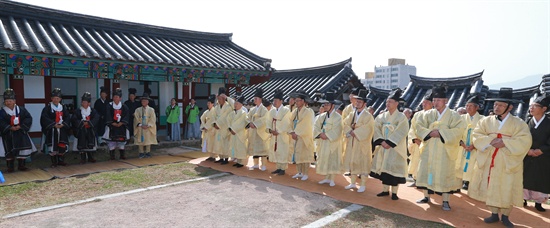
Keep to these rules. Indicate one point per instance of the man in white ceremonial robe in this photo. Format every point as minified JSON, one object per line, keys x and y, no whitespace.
{"x":328,"y":129}
{"x":441,"y":130}
{"x":503,"y":141}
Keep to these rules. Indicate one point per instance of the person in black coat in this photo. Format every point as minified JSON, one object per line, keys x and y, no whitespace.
{"x":15,"y":123}
{"x":84,"y":122}
{"x":536,"y":165}
{"x":100,"y":106}
{"x":55,"y":123}
{"x":132,"y":105}
{"x":116,"y":122}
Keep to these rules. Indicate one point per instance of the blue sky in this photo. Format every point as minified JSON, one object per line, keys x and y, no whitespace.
{"x":507,"y":39}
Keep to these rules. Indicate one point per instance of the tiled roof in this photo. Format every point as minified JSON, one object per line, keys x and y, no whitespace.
{"x":338,"y":78}
{"x":459,"y":88}
{"x":32,"y":29}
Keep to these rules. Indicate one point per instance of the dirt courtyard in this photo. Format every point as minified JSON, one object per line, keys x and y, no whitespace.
{"x":229,"y":201}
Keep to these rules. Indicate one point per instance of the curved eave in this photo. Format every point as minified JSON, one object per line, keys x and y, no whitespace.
{"x":379,"y":92}
{"x":450,"y":81}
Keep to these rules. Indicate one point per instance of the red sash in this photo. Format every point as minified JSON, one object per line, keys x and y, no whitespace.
{"x":117,"y":115}
{"x":499,"y":136}
{"x":58,"y":117}
{"x":12,"y":122}
{"x":87,"y":125}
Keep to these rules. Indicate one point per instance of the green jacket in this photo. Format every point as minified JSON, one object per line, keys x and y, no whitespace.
{"x":173,"y":115}
{"x":192,"y":114}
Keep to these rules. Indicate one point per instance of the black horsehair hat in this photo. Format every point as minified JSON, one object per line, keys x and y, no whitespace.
{"x":132,"y":91}
{"x":506,"y":95}
{"x":543,"y":100}
{"x":239,"y":98}
{"x":362,"y":95}
{"x":87,"y":96}
{"x":330,"y":97}
{"x":56,"y":92}
{"x":118,"y":92}
{"x":221,"y":91}
{"x":474,"y":98}
{"x":278,"y":94}
{"x":9,"y":94}
{"x":302,"y":95}
{"x":439,"y":91}
{"x":396,"y":94}
{"x":259,"y":93}
{"x":212,"y":98}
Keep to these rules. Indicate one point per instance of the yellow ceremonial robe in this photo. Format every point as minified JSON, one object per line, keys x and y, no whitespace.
{"x":145,"y":116}
{"x":505,"y":187}
{"x":291,"y":142}
{"x":302,"y":122}
{"x":280,"y":121}
{"x":462,"y":154}
{"x":349,"y":109}
{"x":257,"y":137}
{"x":208,"y":131}
{"x":414,"y":149}
{"x":329,"y":152}
{"x":436,"y":170}
{"x":221,"y":146}
{"x":358,"y":153}
{"x":239,"y":141}
{"x":345,"y":113}
{"x":394,"y":128}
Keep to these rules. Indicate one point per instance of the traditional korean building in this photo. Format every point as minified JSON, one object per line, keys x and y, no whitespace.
{"x":43,"y":48}
{"x":338,"y":78}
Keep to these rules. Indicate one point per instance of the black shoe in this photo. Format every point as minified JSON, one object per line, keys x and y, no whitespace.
{"x":493,"y":218}
{"x":423,"y":200}
{"x":347,"y":174}
{"x":539,"y":207}
{"x":276,"y":171}
{"x":525,"y":203}
{"x":359,"y":176}
{"x":281,"y":173}
{"x":465,"y":185}
{"x":211,"y":159}
{"x":224,"y":162}
{"x":219,"y":160}
{"x":235,"y":164}
{"x":506,"y":221}
{"x":446,"y":206}
{"x":239,"y":165}
{"x":383,"y":194}
{"x":394,"y":196}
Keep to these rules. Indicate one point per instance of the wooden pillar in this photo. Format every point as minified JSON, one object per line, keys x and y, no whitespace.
{"x":18,"y":87}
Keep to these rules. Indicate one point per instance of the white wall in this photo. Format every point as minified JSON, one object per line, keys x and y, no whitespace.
{"x":214,"y":87}
{"x":87,"y":85}
{"x":34,"y":87}
{"x":167,"y":92}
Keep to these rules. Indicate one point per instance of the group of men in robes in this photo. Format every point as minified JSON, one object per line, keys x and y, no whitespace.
{"x":446,"y":151}
{"x":57,"y":126}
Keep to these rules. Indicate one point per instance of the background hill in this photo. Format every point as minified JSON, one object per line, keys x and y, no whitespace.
{"x":525,"y":82}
